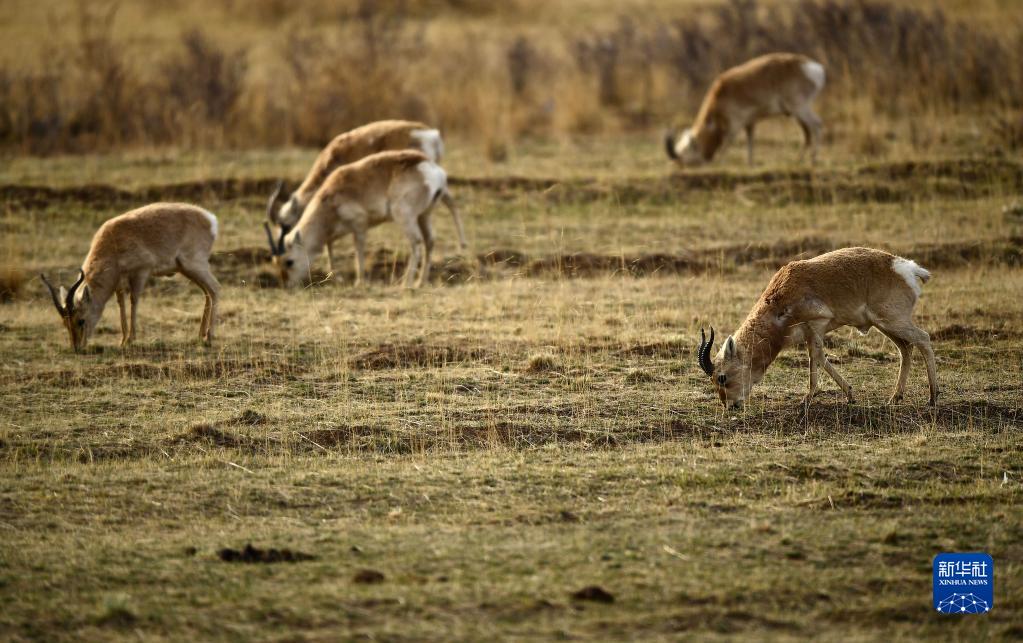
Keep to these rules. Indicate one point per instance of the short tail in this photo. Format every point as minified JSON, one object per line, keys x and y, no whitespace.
{"x":669,"y":145}
{"x":910,"y":272}
{"x":449,"y":203}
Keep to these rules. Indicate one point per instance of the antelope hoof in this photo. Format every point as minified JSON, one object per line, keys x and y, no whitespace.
{"x":895,"y":399}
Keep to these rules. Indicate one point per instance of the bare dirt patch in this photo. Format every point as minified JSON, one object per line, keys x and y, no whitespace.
{"x":252,"y":265}
{"x":219,"y":434}
{"x":368,"y":577}
{"x":883,"y":182}
{"x":897,"y":418}
{"x":189,"y":370}
{"x":250,"y":554}
{"x":594,"y":593}
{"x":417,"y":355}
{"x":962,"y":332}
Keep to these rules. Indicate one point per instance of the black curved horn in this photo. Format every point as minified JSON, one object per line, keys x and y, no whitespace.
{"x":669,"y":145}
{"x":53,"y":293}
{"x":703,"y":354}
{"x":285,"y":229}
{"x":69,"y":302}
{"x":271,"y":210}
{"x":270,"y":238}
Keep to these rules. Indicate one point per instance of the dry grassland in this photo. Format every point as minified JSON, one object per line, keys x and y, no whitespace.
{"x":530,"y":423}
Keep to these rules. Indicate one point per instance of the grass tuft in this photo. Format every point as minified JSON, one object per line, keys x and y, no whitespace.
{"x":12,"y":283}
{"x":543,"y":363}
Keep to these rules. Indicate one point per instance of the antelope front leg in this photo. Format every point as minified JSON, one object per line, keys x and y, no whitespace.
{"x":330,"y":256}
{"x":124,"y":317}
{"x":749,"y":144}
{"x":359,"y":240}
{"x":427,"y":231}
{"x":410,"y":225}
{"x":812,"y":389}
{"x":136,"y":283}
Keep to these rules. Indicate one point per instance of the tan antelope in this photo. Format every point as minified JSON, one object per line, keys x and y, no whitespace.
{"x":390,"y":186}
{"x":804,"y":301}
{"x":770,"y":85}
{"x":346,"y":148}
{"x":157,"y":239}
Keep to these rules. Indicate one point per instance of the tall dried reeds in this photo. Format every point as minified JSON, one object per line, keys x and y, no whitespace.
{"x":372,"y":60}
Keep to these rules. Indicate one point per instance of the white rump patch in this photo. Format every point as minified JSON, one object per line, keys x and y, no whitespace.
{"x":687,"y":139}
{"x":430,"y":142}
{"x":911,"y":273}
{"x":434,"y":176}
{"x":815,"y":72}
{"x":212,"y":219}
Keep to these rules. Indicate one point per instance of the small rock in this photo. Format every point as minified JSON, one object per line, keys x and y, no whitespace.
{"x":594,"y":593}
{"x":255,"y":555}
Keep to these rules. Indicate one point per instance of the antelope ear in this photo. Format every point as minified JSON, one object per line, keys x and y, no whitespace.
{"x":297,"y":239}
{"x":729,"y":348}
{"x":63,"y":293}
{"x":86,"y":294}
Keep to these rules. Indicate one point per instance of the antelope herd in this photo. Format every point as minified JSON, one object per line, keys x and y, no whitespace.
{"x":390,"y":171}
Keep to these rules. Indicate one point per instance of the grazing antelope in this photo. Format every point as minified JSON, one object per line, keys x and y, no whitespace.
{"x":157,"y":239}
{"x":805,"y":300}
{"x":771,"y":85}
{"x":347,"y":148}
{"x":390,"y":186}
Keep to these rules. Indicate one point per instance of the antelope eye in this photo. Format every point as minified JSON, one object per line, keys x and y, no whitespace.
{"x":81,"y":323}
{"x":289,"y":263}
{"x":722,"y":379}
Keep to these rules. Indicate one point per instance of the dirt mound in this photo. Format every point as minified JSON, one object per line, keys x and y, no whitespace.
{"x":368,"y":577}
{"x":955,"y":254}
{"x":341,"y":435}
{"x":218,"y":433}
{"x":895,"y":419}
{"x":36,"y":196}
{"x":594,"y":593}
{"x":960,"y":332}
{"x":416,"y":355}
{"x":252,"y":554}
{"x":387,"y":265}
{"x":883,"y":182}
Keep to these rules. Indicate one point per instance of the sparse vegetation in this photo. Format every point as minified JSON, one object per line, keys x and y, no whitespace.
{"x":216,"y":76}
{"x":529,"y":426}
{"x":525,"y":447}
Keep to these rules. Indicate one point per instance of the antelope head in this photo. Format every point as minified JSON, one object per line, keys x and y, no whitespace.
{"x":288,"y":256}
{"x":730,"y":371}
{"x":75,"y":310}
